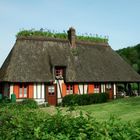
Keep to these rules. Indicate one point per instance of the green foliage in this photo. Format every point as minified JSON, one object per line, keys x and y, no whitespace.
{"x":5,"y":99}
{"x":132,"y":56}
{"x":84,"y":99}
{"x":92,"y":38}
{"x":30,"y":103}
{"x":48,"y":33}
{"x":25,"y":124}
{"x":41,"y":33}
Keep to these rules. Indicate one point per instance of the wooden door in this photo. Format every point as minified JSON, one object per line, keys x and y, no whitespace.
{"x":109,"y":90}
{"x":51,"y":94}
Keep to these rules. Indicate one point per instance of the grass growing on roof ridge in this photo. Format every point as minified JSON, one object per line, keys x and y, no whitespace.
{"x":49,"y":33}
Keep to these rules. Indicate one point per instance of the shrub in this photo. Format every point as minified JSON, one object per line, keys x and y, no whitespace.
{"x":84,"y":99}
{"x":5,"y":99}
{"x":37,"y":125}
{"x":30,"y":103}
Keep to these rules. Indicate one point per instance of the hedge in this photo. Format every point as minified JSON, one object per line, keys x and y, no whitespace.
{"x":28,"y":124}
{"x":85,"y":99}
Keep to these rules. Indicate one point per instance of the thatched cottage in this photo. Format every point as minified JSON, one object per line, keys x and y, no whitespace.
{"x":47,"y":69}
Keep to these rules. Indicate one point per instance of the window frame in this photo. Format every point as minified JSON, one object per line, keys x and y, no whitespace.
{"x":59,"y":72}
{"x":23,"y":90}
{"x":108,"y":86}
{"x":96,"y":88}
{"x":69,"y":88}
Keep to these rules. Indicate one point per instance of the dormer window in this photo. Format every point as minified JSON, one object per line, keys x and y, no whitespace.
{"x":59,"y":73}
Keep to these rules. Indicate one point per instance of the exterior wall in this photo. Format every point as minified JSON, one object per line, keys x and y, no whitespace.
{"x":109,"y":88}
{"x":81,"y":87}
{"x":11,"y":90}
{"x":60,"y":89}
{"x":114,"y":90}
{"x":16,"y":90}
{"x":76,"y":89}
{"x":90,"y":88}
{"x":6,"y":89}
{"x":39,"y":92}
{"x":30,"y":91}
{"x":102,"y":88}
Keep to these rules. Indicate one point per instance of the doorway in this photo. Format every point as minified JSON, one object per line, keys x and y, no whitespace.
{"x":51,"y":94}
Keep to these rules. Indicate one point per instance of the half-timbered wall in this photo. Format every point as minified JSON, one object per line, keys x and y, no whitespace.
{"x":37,"y":90}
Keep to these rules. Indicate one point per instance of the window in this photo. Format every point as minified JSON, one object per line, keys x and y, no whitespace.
{"x":108,"y":86}
{"x":38,"y":90}
{"x":96,"y":88}
{"x":22,"y":91}
{"x":59,"y":72}
{"x":69,"y":89}
{"x":51,"y":90}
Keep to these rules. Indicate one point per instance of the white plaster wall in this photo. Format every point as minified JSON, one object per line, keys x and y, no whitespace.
{"x":85,"y":88}
{"x":39,"y":101}
{"x":38,"y":90}
{"x":34,"y":91}
{"x":43,"y":91}
{"x":11,"y":90}
{"x":59,"y":89}
{"x":114,"y":90}
{"x":102,"y":88}
{"x":81,"y":89}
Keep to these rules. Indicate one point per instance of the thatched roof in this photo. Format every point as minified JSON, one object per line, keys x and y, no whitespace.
{"x":32,"y":60}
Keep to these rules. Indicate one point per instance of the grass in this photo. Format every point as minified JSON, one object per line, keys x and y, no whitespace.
{"x":49,"y":33}
{"x":127,"y":109}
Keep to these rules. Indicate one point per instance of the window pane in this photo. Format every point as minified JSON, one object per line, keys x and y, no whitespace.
{"x":25,"y":92}
{"x":59,"y":72}
{"x":51,"y":89}
{"x":20,"y":92}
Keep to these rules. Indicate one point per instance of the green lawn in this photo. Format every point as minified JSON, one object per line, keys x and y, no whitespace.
{"x":127,"y":109}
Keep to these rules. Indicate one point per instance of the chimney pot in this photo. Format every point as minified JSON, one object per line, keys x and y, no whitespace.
{"x":72,"y":37}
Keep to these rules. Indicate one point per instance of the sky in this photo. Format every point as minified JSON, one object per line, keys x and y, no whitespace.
{"x":118,"y":19}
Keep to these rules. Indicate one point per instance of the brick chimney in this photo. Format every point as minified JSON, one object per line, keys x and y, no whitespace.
{"x":72,"y":37}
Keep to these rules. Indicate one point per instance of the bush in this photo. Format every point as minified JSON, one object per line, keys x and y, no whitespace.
{"x":5,"y":99}
{"x":37,"y":125}
{"x":84,"y":99}
{"x":30,"y":103}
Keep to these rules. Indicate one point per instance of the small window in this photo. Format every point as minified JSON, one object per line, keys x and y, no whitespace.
{"x":51,"y":89}
{"x":25,"y":91}
{"x":59,"y":72}
{"x":96,"y":88}
{"x":69,"y":89}
{"x":22,"y":91}
{"x":108,"y":86}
